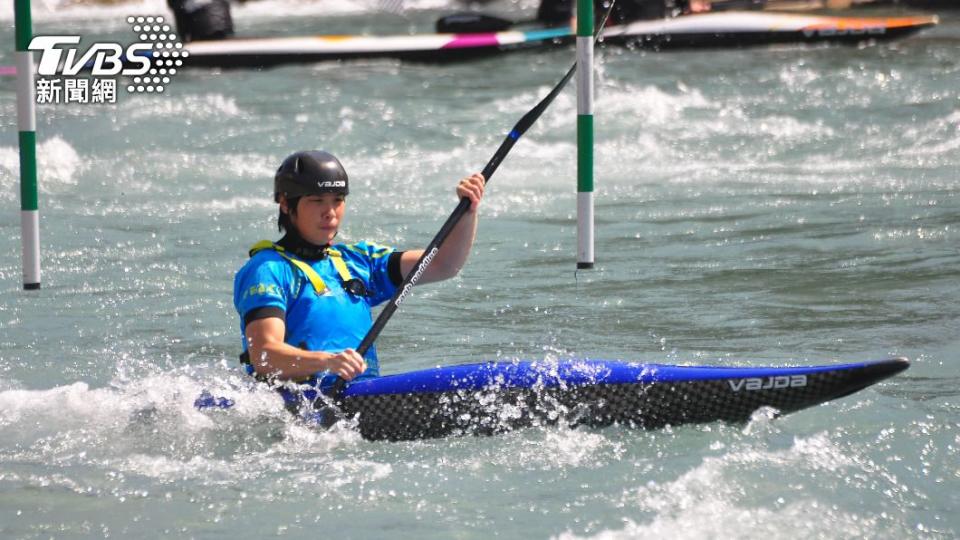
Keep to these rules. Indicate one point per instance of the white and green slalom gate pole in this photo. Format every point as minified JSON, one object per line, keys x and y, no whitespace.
{"x":584,"y":134}
{"x":27,"y":126}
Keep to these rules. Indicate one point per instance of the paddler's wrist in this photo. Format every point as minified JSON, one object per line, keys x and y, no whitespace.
{"x":322,"y":360}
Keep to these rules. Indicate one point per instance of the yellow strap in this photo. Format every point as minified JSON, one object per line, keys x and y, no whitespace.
{"x":318,"y":285}
{"x":262,"y":245}
{"x":337,"y":259}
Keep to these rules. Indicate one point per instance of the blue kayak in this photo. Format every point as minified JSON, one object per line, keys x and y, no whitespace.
{"x":494,"y":397}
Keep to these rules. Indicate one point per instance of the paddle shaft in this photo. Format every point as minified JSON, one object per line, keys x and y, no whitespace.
{"x":430,"y":251}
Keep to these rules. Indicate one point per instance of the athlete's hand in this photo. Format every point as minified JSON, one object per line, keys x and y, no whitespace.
{"x":472,"y":188}
{"x":347,"y":364}
{"x":700,"y":6}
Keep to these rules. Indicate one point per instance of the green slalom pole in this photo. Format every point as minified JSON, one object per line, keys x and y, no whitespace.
{"x":585,"y":134}
{"x":27,"y":127}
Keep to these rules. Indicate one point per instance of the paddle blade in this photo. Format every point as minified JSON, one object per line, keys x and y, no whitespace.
{"x":468,"y":22}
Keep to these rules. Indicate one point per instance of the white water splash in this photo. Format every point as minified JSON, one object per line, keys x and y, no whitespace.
{"x":58,"y":165}
{"x":709,"y":500}
{"x":720,"y":519}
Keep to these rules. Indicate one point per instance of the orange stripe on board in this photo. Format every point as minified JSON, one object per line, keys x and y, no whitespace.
{"x":863,"y":24}
{"x":335,"y":38}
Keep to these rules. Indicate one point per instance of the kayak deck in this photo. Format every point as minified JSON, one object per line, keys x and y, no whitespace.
{"x":485,"y":399}
{"x":709,"y":30}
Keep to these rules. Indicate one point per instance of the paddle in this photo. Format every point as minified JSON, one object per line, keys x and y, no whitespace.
{"x":430,"y":251}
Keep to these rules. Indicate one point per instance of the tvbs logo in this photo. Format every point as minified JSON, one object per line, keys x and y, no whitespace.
{"x":102,"y":59}
{"x":150,"y":62}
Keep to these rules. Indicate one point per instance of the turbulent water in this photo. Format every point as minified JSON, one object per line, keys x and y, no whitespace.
{"x":772,"y":206}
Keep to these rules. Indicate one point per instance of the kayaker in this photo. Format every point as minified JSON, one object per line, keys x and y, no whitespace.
{"x":304,"y":301}
{"x":559,"y":12}
{"x":202,"y":20}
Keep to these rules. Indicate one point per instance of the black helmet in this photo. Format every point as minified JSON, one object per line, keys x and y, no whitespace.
{"x":309,"y":173}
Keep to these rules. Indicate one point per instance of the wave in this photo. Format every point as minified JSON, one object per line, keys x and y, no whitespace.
{"x":711,"y":501}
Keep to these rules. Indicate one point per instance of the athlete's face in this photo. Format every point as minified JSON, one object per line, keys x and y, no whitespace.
{"x":317,"y":217}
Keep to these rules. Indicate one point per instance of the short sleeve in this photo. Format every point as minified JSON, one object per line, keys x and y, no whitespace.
{"x":261,"y":283}
{"x":377,"y":257}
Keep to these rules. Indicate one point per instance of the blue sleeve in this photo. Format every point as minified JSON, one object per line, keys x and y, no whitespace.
{"x":376,"y":257}
{"x":262,"y":282}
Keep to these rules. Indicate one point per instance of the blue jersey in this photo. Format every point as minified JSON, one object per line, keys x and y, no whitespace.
{"x":331,"y":321}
